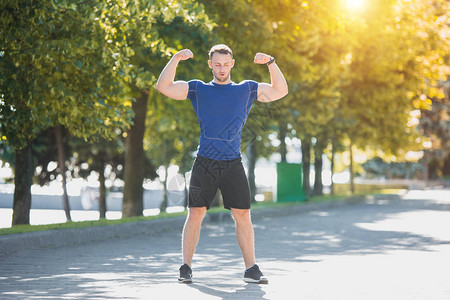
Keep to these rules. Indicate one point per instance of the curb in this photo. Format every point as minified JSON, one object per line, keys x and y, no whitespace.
{"x":264,"y":213}
{"x":70,"y":237}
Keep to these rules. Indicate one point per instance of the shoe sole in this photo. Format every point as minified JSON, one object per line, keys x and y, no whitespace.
{"x":261,"y":281}
{"x":184,"y":280}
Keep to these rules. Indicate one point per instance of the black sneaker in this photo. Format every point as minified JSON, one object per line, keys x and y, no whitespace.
{"x":185,"y":274}
{"x":254,"y":275}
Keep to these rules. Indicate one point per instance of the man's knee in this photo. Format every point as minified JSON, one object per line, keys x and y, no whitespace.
{"x":196,"y":214}
{"x":241,"y":215}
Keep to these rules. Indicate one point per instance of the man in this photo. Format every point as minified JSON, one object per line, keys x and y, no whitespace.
{"x":222,"y":107}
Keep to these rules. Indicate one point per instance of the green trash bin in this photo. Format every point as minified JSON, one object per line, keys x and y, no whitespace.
{"x":290,"y":182}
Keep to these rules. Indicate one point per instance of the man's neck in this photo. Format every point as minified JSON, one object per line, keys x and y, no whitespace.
{"x":228,"y":81}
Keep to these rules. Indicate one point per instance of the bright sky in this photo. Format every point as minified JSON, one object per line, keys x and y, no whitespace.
{"x":355,"y":4}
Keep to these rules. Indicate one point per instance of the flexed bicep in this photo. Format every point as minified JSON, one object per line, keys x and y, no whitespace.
{"x":267,"y":93}
{"x":177,"y":90}
{"x":166,"y":85}
{"x":277,"y":88}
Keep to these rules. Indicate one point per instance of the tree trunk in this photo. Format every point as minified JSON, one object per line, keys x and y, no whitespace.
{"x":251,"y":155}
{"x":164,"y":203}
{"x":102,"y":198}
{"x":306,"y":160}
{"x":425,"y":161}
{"x":22,"y":185}
{"x":62,"y":169}
{"x":352,"y":174}
{"x":283,"y":150}
{"x":333,"y":152}
{"x":134,"y":160}
{"x":318,"y":184}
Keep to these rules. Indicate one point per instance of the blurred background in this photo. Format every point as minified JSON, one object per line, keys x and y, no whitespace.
{"x":84,"y":134}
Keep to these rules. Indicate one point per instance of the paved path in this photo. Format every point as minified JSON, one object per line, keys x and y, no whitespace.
{"x":379,"y":249}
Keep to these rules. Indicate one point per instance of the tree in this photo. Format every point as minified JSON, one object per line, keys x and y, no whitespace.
{"x":435,"y":125}
{"x":52,"y":145}
{"x":427,"y":24}
{"x":53,"y":70}
{"x":379,"y":89}
{"x":58,"y":132}
{"x":96,"y":157}
{"x":135,"y":41}
{"x":106,"y":158}
{"x":311,"y":40}
{"x":245,"y":27}
{"x":173,"y":126}
{"x":167,"y":142}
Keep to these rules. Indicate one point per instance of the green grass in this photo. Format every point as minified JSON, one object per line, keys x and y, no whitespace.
{"x":82,"y":224}
{"x":366,"y":188}
{"x":104,"y":222}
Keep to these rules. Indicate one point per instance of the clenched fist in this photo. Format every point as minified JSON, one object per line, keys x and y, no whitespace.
{"x":184,"y":54}
{"x":261,"y":58}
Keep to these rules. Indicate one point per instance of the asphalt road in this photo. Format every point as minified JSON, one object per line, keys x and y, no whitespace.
{"x":376,"y":249}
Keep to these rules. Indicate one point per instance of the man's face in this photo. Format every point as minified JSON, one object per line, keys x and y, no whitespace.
{"x":221,"y":65}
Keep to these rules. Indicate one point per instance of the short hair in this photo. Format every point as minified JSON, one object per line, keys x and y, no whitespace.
{"x":220,"y":48}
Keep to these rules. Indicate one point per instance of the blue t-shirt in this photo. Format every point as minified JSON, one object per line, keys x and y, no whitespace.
{"x":221,"y":112}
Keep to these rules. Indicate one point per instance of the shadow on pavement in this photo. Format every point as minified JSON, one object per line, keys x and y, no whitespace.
{"x":237,"y":291}
{"x":146,"y":267}
{"x":341,"y":231}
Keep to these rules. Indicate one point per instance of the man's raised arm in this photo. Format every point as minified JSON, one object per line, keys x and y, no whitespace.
{"x":278,"y":87}
{"x":177,"y":90}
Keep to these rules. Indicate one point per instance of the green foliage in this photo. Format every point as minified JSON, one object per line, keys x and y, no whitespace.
{"x":368,"y":189}
{"x":84,"y":224}
{"x":45,"y":151}
{"x":172,"y":134}
{"x":100,"y":155}
{"x":134,"y":32}
{"x":384,"y":73}
{"x":172,"y":129}
{"x":434,"y":124}
{"x":94,"y":156}
{"x":246,"y":28}
{"x":351,"y":75}
{"x":141,"y":44}
{"x":54,"y":70}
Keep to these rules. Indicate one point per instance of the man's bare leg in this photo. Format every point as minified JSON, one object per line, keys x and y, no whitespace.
{"x":191,"y":232}
{"x":245,"y":235}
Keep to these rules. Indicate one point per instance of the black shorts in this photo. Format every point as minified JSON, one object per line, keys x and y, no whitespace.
{"x":208,"y":175}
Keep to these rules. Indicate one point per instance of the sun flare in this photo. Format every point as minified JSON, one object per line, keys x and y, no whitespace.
{"x":355,"y":4}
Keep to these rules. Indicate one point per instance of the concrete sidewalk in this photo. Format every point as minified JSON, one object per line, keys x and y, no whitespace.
{"x":70,"y":237}
{"x":379,"y":248}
